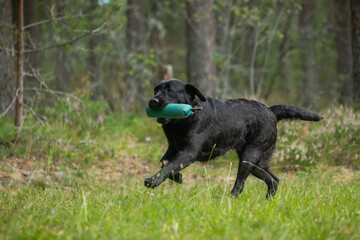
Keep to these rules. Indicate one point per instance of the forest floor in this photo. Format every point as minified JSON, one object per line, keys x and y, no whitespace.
{"x":17,"y":172}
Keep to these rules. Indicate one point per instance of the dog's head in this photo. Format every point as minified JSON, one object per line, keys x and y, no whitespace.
{"x":174,"y":91}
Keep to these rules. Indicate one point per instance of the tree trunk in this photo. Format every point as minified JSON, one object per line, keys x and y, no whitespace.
{"x":20,"y":67}
{"x":250,"y":37}
{"x":7,"y":83}
{"x":93,"y":60}
{"x":30,"y":60}
{"x":343,"y":49}
{"x":283,"y":51}
{"x":200,"y":33}
{"x":62,"y":66}
{"x":135,"y":26}
{"x":29,"y":18}
{"x":135,"y":43}
{"x":166,"y":71}
{"x":97,"y":88}
{"x":223,"y":46}
{"x":355,"y":32}
{"x":309,"y":57}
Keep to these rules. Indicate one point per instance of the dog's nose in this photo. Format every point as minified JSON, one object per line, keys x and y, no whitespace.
{"x":154,"y":103}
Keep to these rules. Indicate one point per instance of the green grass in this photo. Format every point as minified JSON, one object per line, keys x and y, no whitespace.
{"x":309,"y":205}
{"x":78,"y":174}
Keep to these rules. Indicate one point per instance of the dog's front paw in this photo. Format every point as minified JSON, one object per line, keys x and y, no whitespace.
{"x":150,"y":183}
{"x":177,"y":178}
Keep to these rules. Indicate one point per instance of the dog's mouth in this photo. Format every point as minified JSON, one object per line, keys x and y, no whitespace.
{"x":163,"y":120}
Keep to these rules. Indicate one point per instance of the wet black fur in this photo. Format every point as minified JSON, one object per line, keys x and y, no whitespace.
{"x":247,"y":126}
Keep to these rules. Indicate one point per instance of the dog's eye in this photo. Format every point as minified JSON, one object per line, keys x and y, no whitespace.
{"x":156,"y":90}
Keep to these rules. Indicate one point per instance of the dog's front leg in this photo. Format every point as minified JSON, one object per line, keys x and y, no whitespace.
{"x":181,"y":161}
{"x":168,"y":157}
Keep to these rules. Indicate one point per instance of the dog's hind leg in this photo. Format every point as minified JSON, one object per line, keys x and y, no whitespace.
{"x":268,"y":177}
{"x":250,"y":156}
{"x":261,"y":171}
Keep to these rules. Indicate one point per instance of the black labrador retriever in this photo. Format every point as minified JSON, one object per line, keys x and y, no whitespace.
{"x":247,"y":126}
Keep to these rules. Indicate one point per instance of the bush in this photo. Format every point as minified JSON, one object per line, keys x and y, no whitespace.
{"x":333,"y":141}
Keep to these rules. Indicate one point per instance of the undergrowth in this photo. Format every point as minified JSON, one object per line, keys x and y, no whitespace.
{"x":81,"y":132}
{"x":87,"y":133}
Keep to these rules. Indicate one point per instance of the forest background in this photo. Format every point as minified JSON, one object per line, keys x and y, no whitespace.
{"x":303,"y":52}
{"x":76,"y":145}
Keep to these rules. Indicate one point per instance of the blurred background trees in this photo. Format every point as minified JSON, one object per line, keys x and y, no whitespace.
{"x":280,"y":51}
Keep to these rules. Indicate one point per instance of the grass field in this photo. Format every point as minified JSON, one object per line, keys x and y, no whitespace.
{"x":79,"y":176}
{"x":309,"y":205}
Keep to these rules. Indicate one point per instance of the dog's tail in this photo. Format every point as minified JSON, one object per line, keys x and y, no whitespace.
{"x":294,"y":112}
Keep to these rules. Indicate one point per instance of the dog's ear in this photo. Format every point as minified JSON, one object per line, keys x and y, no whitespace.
{"x":193,"y":91}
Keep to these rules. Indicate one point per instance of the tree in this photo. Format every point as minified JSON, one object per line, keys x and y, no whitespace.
{"x":7,"y":83}
{"x":308,"y":53}
{"x":31,"y":34}
{"x":135,"y":45}
{"x":19,"y":67}
{"x":355,"y":33}
{"x":200,"y":34}
{"x":223,"y":42}
{"x":96,"y":87}
{"x":62,"y":66}
{"x":343,"y":49}
{"x":251,"y":43}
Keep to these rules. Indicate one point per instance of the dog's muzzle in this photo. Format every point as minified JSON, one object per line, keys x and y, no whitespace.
{"x":163,"y":120}
{"x":155,"y":103}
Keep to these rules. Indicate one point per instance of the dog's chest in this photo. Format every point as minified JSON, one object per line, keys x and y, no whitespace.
{"x":178,"y":136}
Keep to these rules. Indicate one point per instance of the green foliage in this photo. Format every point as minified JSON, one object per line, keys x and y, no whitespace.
{"x":7,"y":129}
{"x":142,"y":67}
